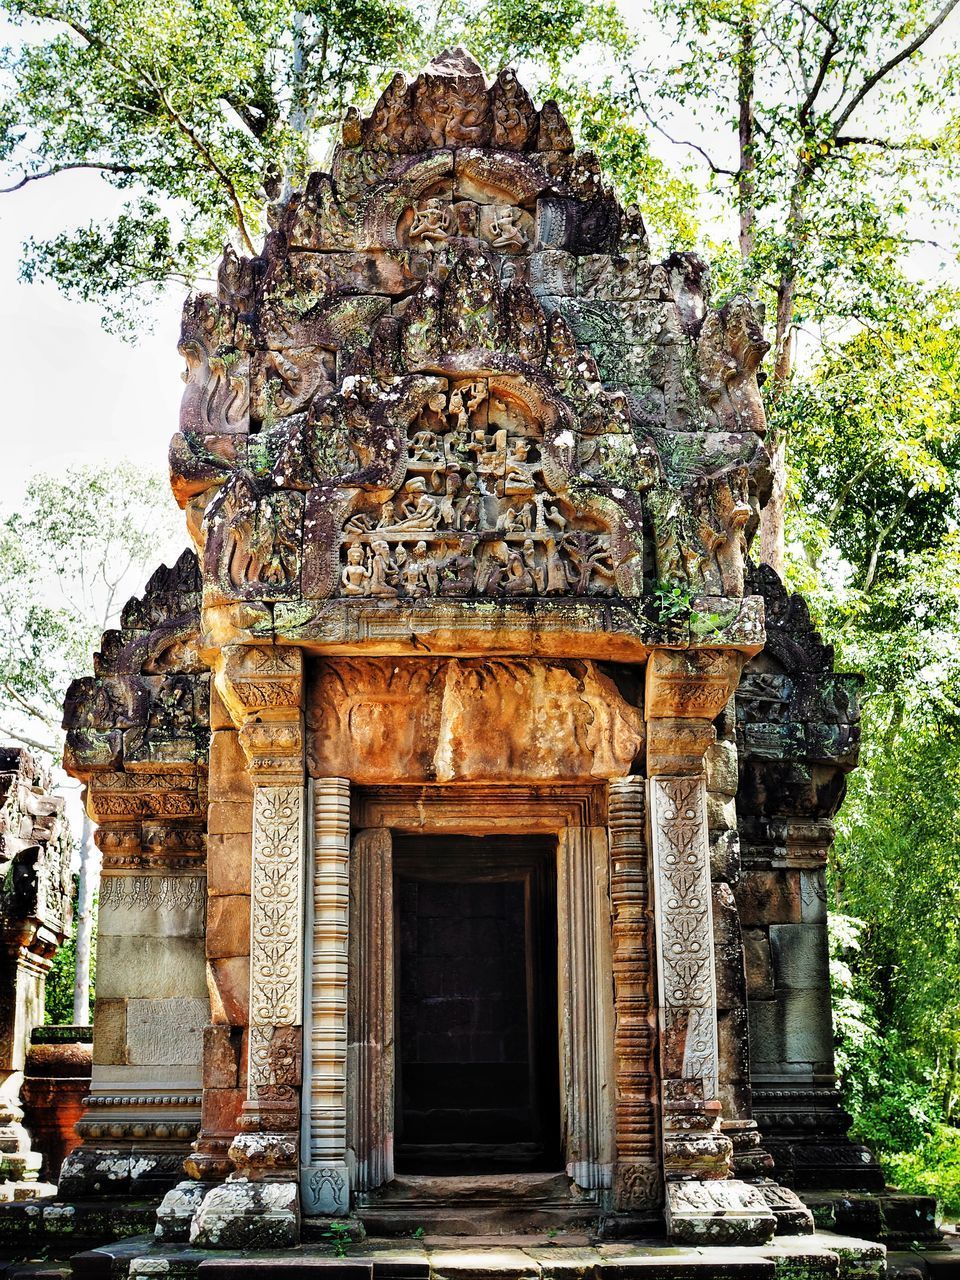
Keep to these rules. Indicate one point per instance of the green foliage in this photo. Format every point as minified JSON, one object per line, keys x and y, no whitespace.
{"x":202,"y":112}
{"x":931,"y":1169}
{"x":672,"y":601}
{"x":78,"y":545}
{"x":340,"y":1237}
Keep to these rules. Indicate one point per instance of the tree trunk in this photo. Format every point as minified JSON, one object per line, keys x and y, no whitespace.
{"x":87,"y":892}
{"x":748,"y":159}
{"x":298,"y":111}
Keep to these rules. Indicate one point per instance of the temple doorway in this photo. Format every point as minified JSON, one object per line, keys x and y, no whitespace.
{"x":475,"y":936}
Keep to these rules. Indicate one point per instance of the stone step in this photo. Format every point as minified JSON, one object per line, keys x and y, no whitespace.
{"x":820,"y":1257}
{"x":470,"y":1220}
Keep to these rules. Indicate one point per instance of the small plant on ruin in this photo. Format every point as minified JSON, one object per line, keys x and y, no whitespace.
{"x":672,"y":601}
{"x":338,"y":1233}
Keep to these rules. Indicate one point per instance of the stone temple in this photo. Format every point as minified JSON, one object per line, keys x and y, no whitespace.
{"x":465,"y":796}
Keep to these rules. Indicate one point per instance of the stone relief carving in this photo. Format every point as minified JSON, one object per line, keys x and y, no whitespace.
{"x":177,"y":893}
{"x":474,"y":513}
{"x":277,"y":906}
{"x":682,"y":867}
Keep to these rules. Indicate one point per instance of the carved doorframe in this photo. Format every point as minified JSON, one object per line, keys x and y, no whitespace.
{"x":576,"y":815}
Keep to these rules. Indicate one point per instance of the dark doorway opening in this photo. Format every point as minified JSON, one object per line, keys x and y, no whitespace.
{"x":476,"y":951}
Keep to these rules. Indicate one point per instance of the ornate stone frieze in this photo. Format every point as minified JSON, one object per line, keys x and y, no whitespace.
{"x":454,"y":374}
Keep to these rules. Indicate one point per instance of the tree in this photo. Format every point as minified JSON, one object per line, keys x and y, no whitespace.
{"x":873,"y":513}
{"x":69,"y":557}
{"x":205,"y":111}
{"x":819,"y":123}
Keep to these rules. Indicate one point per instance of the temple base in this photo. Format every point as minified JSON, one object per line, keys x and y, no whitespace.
{"x":239,"y":1214}
{"x":724,"y":1212}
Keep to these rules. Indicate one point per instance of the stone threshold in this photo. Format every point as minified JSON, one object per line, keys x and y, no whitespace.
{"x":819,"y":1257}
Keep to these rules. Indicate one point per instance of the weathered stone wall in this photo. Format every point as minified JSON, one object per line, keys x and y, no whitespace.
{"x":798,"y":732}
{"x":137,"y":735}
{"x":36,"y":892}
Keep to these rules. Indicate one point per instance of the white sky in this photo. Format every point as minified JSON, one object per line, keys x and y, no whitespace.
{"x":73,"y":393}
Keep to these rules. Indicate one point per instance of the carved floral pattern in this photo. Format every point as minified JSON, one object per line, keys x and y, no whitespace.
{"x":276,"y":906}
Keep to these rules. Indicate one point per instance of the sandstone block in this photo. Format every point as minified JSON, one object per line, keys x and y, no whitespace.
{"x":150,"y":968}
{"x":221,"y":1110}
{"x":221,"y":1049}
{"x":228,"y":864}
{"x":768,"y":897}
{"x":228,"y":926}
{"x":229,"y":780}
{"x":228,"y":981}
{"x":248,"y":1215}
{"x":759,"y":964}
{"x":165,"y":1032}
{"x":800,"y":956}
{"x":229,"y":818}
{"x":110,"y":1032}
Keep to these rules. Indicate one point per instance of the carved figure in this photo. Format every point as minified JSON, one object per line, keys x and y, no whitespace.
{"x":514,"y":116}
{"x":383,"y":570}
{"x":431,"y":223}
{"x":726,"y":545}
{"x":558,"y":573}
{"x":458,"y":570}
{"x":449,"y":515}
{"x":355,"y":578}
{"x":504,"y":229}
{"x":517,"y":476}
{"x":417,"y":510}
{"x":470,"y":505}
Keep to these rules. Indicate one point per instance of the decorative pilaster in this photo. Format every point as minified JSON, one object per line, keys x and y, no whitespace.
{"x":586,"y":1032}
{"x":685,"y":691}
{"x":324,"y":1176}
{"x":637,"y":1177}
{"x":258,"y":1205}
{"x":370,"y":1016}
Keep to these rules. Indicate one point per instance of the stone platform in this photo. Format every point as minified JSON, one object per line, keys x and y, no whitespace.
{"x":522,"y":1257}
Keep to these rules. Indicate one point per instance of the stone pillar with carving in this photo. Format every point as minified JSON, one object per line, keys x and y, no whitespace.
{"x":637,"y":1184}
{"x":324,"y":1177}
{"x":258,"y":1205}
{"x":685,"y":691}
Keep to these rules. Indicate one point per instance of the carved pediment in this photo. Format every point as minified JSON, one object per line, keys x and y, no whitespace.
{"x":454,"y":373}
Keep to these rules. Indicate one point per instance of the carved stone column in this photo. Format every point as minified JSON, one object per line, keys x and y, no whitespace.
{"x":258,"y":1205}
{"x":637,"y":1176}
{"x":685,"y":691}
{"x":325,"y":1181}
{"x":370,"y":1016}
{"x":586,"y":1033}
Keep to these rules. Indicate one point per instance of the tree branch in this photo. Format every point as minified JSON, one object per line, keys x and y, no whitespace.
{"x":201,"y":148}
{"x":887,"y":144}
{"x":62,"y":168}
{"x":907,"y":51}
{"x":682,"y":142}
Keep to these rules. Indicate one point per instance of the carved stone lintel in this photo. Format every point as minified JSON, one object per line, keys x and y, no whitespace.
{"x":262,"y":688}
{"x":324,"y":1175}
